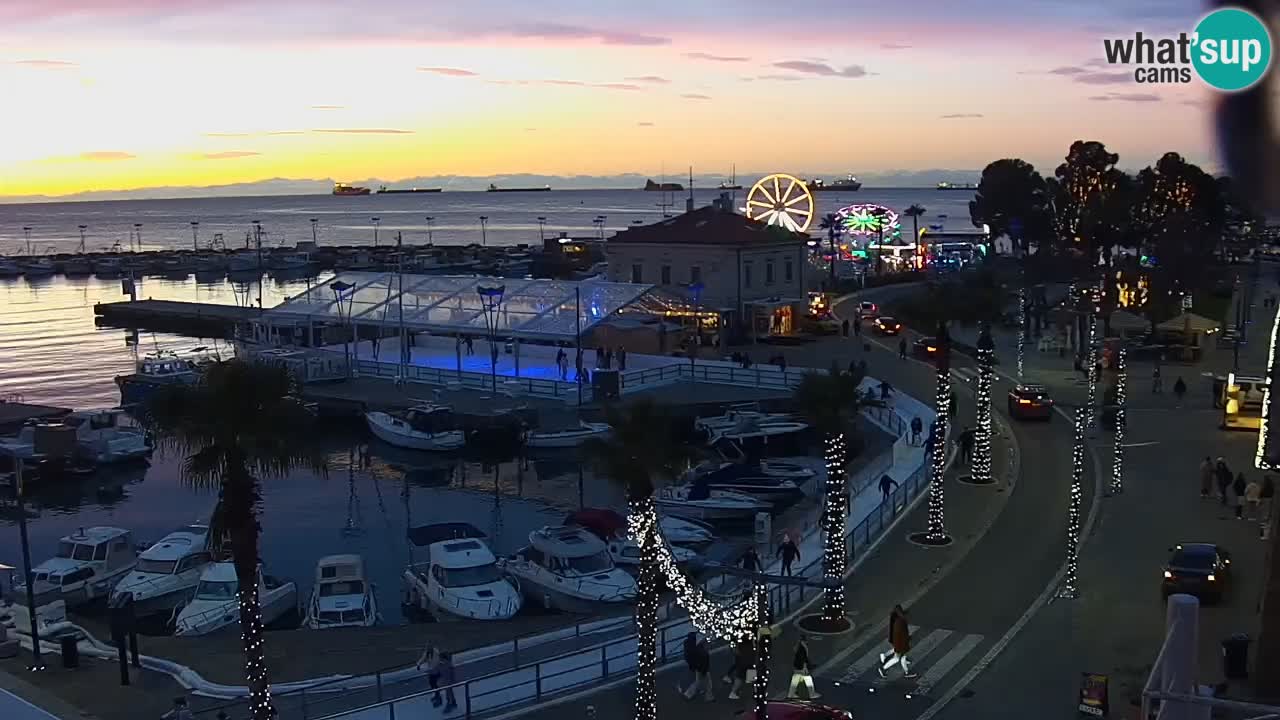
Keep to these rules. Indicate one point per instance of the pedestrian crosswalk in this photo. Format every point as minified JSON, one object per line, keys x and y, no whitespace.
{"x":935,"y":653}
{"x":964,"y":374}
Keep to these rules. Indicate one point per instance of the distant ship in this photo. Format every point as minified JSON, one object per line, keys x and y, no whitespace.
{"x":495,"y":188}
{"x":652,"y":186}
{"x":340,"y":189}
{"x":849,"y":184}
{"x":384,"y":190}
{"x":956,"y":186}
{"x":732,"y":182}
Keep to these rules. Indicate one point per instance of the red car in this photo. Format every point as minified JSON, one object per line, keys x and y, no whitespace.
{"x":800,"y":710}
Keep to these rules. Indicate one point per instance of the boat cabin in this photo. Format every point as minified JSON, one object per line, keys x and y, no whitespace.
{"x":456,"y":555}
{"x":87,"y":561}
{"x":567,"y":551}
{"x":166,"y":365}
{"x":431,"y":418}
{"x":341,"y":592}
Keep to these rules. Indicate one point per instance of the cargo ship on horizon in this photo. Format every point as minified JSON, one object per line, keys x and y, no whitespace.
{"x":384,"y":190}
{"x":849,"y":184}
{"x":495,"y":188}
{"x":651,"y":186}
{"x":341,"y":189}
{"x":957,"y":186}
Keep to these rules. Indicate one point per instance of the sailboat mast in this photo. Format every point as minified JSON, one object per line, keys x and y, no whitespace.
{"x":404,"y":350}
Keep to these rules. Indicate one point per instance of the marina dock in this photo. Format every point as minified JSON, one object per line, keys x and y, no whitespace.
{"x":169,"y":315}
{"x":13,"y":415}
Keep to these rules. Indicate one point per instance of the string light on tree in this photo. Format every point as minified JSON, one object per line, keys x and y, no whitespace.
{"x":764,"y":649}
{"x":936,"y":532}
{"x":1069,"y":583}
{"x":980,"y":467}
{"x":1022,"y":330}
{"x":1095,"y":306}
{"x":1117,"y":457}
{"x":834,"y":513}
{"x":255,"y":666}
{"x":647,"y":590}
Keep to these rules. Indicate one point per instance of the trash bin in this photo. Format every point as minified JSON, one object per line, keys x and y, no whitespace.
{"x":70,"y":651}
{"x":1235,"y":657}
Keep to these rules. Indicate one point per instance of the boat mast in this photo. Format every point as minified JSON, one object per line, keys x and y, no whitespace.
{"x":404,"y":350}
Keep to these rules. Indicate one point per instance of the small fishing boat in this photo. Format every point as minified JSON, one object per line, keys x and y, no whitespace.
{"x":429,"y":427}
{"x":89,"y":563}
{"x":697,"y":501}
{"x":167,"y":572}
{"x":216,"y":604}
{"x":737,"y":415}
{"x":38,"y":267}
{"x":461,"y":577}
{"x":750,"y":430}
{"x":748,"y":480}
{"x":77,"y":266}
{"x":107,"y":267}
{"x":109,"y":436}
{"x":341,"y":595}
{"x":156,"y":370}
{"x":569,"y":569}
{"x":567,"y":438}
{"x":682,"y":531}
{"x":9,"y":268}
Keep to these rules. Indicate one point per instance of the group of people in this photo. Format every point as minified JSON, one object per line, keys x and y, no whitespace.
{"x":440,"y":674}
{"x":1246,"y":496}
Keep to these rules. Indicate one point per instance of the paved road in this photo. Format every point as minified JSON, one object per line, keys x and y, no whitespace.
{"x":13,"y":707}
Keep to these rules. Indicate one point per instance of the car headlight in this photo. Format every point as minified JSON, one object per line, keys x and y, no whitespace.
{"x":1211,"y":577}
{"x":1168,"y":575}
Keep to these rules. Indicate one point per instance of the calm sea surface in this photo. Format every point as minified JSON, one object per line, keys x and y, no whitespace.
{"x":51,"y":352}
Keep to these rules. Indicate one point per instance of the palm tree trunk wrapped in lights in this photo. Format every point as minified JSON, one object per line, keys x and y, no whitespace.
{"x":1023,"y":319}
{"x":241,"y":423}
{"x":829,"y":402}
{"x":1117,"y":457}
{"x":764,"y":650}
{"x":1069,"y":587}
{"x":1095,"y":307}
{"x":935,"y":533}
{"x":980,"y":467}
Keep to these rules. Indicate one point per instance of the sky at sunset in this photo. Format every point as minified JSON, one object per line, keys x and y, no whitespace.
{"x":119,"y":94}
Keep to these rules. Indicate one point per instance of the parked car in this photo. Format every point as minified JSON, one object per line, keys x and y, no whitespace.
{"x":1030,"y":402}
{"x":1200,"y":569}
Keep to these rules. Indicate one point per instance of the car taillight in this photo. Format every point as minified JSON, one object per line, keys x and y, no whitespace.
{"x":930,"y":348}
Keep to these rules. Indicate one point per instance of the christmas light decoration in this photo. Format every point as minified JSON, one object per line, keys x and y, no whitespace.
{"x":1095,"y":306}
{"x":764,"y":649}
{"x":1022,"y":330}
{"x":1262,"y":456}
{"x":255,"y":662}
{"x":1117,"y":457}
{"x":936,"y":533}
{"x":1069,"y":588}
{"x":834,"y":516}
{"x":980,"y":466}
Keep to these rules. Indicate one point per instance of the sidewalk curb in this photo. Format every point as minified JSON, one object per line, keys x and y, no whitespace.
{"x":41,"y":699}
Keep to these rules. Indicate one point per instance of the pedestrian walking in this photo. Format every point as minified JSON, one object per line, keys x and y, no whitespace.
{"x":782,"y":363}
{"x":857,"y":330}
{"x":1253,"y":499}
{"x":887,"y":486}
{"x":902,"y":348}
{"x":698,"y":659}
{"x":1267,"y":495}
{"x":448,"y":677}
{"x":179,"y":711}
{"x":430,"y":659}
{"x":578,"y":368}
{"x":885,"y":389}
{"x":916,"y":428}
{"x":608,"y":358}
{"x":751,"y":560}
{"x":1206,"y":478}
{"x":471,"y":346}
{"x":966,"y":441}
{"x":899,"y":644}
{"x":844,"y":328}
{"x":1179,"y":389}
{"x":562,"y":362}
{"x":951,"y":406}
{"x":599,"y":358}
{"x":622,"y":358}
{"x":789,"y":553}
{"x":802,"y":672}
{"x":1238,"y":487}
{"x":744,"y":658}
{"x":1224,"y":479}
{"x":1157,"y":384}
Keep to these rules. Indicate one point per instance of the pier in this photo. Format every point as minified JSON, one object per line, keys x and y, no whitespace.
{"x":204,"y":319}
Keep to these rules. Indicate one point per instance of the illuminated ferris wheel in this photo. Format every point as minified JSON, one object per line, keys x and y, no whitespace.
{"x":870,"y":222}
{"x":781,"y":200}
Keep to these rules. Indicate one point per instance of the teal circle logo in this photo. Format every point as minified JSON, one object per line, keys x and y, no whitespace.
{"x":1232,"y":49}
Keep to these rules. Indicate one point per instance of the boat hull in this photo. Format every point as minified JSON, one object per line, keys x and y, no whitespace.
{"x":381,"y":427}
{"x":695,"y":510}
{"x":571,"y":439}
{"x":554,"y":599}
{"x":422,"y":593}
{"x":200,"y":618}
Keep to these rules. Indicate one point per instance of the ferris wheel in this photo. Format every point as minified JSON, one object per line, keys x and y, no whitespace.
{"x":782,"y":200}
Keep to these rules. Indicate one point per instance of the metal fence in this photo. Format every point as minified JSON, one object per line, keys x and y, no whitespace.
{"x":617,"y":658}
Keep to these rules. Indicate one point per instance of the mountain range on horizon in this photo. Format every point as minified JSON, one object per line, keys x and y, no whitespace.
{"x":460,"y":183}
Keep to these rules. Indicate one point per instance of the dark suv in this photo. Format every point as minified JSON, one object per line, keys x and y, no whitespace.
{"x":1030,"y":402}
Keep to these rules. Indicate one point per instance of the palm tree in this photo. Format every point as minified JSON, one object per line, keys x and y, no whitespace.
{"x":829,"y":402}
{"x":831,"y":223}
{"x":914,"y":212}
{"x":240,"y":424}
{"x":640,"y":451}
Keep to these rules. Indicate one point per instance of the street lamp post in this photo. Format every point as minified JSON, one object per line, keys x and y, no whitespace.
{"x":26,"y":234}
{"x":484,"y":236}
{"x":37,"y":663}
{"x":377,"y":222}
{"x":82,"y":230}
{"x":490,"y":303}
{"x":604,"y":220}
{"x":314,"y":234}
{"x":195,"y":234}
{"x":542,"y":226}
{"x":430,"y":241}
{"x":695,"y":289}
{"x":342,"y":297}
{"x":137,"y":231}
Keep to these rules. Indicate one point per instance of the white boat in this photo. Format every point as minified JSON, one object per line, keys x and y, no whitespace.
{"x":157,"y":370}
{"x":9,"y":268}
{"x":736,"y":415}
{"x":567,"y":438}
{"x":778,"y":469}
{"x":423,"y":427}
{"x":38,"y":267}
{"x":22,"y":445}
{"x":109,"y":436}
{"x":216,"y":603}
{"x":167,"y":572}
{"x":681,"y":531}
{"x":461,"y":578}
{"x":611,"y":527}
{"x":748,"y":430}
{"x":342,"y":595}
{"x":698,"y":502}
{"x":89,"y":563}
{"x":569,"y":569}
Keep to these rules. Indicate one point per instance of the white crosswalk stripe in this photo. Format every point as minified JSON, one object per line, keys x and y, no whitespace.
{"x":935,"y":653}
{"x":965,"y":374}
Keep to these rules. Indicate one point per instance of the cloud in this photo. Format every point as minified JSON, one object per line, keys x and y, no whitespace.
{"x":716,"y":58}
{"x":1085,"y":76}
{"x":228,"y":134}
{"x":644,"y":123}
{"x":531,"y":129}
{"x":785,"y":78}
{"x":229,"y":155}
{"x":1126,"y":97}
{"x":107,"y":155}
{"x":558,"y":31}
{"x":328,"y":107}
{"x":363,"y":131}
{"x":286,"y":132}
{"x":894,"y":46}
{"x":1068,"y":70}
{"x":695,"y":96}
{"x":47,"y":64}
{"x":814,"y":68}
{"x":960,"y":116}
{"x":449,"y":71}
{"x":656,"y":80}
{"x":603,"y":86}
{"x":271,"y":133}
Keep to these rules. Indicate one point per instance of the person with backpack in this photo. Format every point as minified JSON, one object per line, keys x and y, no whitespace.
{"x":698,"y":659}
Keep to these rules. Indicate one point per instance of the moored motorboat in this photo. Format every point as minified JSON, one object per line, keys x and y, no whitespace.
{"x":88,"y":564}
{"x":683,"y":531}
{"x":9,"y":268}
{"x":569,"y":569}
{"x":611,"y":527}
{"x":461,"y":577}
{"x":427,"y":427}
{"x":567,"y":438}
{"x":699,"y":502}
{"x":341,"y":595}
{"x":167,"y":572}
{"x":751,"y":430}
{"x":155,"y":371}
{"x":38,"y":267}
{"x":216,"y":604}
{"x":109,"y":436}
{"x":736,"y":416}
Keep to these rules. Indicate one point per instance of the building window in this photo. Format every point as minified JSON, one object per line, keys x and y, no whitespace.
{"x":768,"y":272}
{"x":746,"y":274}
{"x":637,"y":273}
{"x":695,"y":274}
{"x":786,"y":271}
{"x":666,"y":274}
